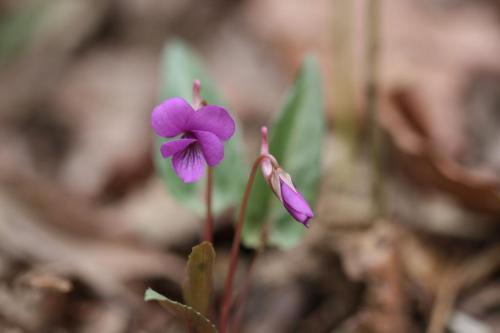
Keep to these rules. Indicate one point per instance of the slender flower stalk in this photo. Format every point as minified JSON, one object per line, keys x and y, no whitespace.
{"x":235,"y":248}
{"x":281,"y":184}
{"x":209,"y":223}
{"x":245,"y":290}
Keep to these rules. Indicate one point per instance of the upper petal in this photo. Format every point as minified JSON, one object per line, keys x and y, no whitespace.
{"x":171,"y":117}
{"x":211,"y":146}
{"x":167,"y":149}
{"x":189,"y":164}
{"x":295,"y":204}
{"x":215,"y":119}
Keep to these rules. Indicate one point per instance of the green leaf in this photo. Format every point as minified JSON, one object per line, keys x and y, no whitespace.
{"x":180,"y":66}
{"x":198,"y":287}
{"x":197,"y":321}
{"x":296,"y":142}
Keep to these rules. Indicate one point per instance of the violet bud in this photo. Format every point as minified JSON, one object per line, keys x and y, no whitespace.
{"x":282,"y":185}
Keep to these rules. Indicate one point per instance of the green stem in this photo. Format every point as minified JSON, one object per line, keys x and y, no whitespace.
{"x":209,"y":223}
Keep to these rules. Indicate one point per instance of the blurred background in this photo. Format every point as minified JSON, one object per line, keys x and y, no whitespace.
{"x":407,"y":227}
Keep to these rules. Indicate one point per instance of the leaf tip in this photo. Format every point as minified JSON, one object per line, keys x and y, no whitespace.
{"x":151,"y":295}
{"x":147,"y":294}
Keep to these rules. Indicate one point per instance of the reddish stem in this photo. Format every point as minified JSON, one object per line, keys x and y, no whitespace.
{"x":228,"y":287}
{"x":209,"y":223}
{"x":241,"y":300}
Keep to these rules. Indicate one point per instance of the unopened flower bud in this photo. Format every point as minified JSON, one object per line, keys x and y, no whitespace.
{"x":282,"y":186}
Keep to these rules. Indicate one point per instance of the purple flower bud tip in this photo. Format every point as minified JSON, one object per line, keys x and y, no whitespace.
{"x":295,"y":204}
{"x":202,"y":135}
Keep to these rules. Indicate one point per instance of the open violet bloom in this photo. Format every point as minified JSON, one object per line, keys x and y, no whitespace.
{"x":282,"y":185}
{"x":202,"y":135}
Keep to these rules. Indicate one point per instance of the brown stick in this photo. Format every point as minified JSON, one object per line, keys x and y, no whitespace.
{"x":372,"y":100}
{"x":457,"y":278}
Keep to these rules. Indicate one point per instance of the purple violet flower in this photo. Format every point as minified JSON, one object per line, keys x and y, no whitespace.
{"x":282,"y":185}
{"x":202,"y":134}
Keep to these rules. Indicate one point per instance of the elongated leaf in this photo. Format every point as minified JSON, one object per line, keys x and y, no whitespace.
{"x":197,"y":321}
{"x":180,"y":66}
{"x":295,"y":140}
{"x":198,"y":287}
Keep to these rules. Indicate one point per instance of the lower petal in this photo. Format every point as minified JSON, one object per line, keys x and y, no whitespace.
{"x":168,"y":149}
{"x":295,"y":204}
{"x":211,"y":146}
{"x":301,"y":217}
{"x":189,"y":164}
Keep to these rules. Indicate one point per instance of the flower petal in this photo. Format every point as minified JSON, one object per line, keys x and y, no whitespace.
{"x":189,"y":164}
{"x":214,"y":119}
{"x":211,"y":147}
{"x":295,"y":204}
{"x":167,"y":149}
{"x":171,"y":117}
